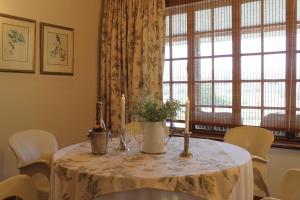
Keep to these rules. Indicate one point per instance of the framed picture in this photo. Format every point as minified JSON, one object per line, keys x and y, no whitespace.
{"x":57,"y":49}
{"x":17,"y":44}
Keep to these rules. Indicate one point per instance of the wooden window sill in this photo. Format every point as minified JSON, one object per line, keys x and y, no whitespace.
{"x":278,"y":143}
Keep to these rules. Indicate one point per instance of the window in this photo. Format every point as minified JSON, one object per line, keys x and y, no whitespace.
{"x":175,"y":77}
{"x":212,"y":75}
{"x":237,"y":61}
{"x":297,"y":121}
{"x":263,"y":63}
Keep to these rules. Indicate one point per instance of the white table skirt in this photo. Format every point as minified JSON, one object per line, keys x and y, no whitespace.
{"x":71,"y":163}
{"x":243,"y":190}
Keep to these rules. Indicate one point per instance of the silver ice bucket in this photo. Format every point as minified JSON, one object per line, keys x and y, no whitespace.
{"x":99,"y":141}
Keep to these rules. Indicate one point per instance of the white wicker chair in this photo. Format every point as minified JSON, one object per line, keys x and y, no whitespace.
{"x":34,"y":150}
{"x":20,"y":186}
{"x":258,"y":142}
{"x":289,"y":186}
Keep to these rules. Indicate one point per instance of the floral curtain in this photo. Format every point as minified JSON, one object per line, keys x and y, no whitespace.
{"x":132,"y":52}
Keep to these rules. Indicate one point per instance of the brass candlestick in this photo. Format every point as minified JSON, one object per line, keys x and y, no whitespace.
{"x":186,"y":153}
{"x":122,"y":140}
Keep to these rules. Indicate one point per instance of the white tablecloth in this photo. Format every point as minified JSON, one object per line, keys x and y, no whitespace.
{"x":243,"y":189}
{"x":77,"y":175}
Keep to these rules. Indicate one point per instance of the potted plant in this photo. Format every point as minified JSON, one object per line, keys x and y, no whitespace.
{"x":152,"y":115}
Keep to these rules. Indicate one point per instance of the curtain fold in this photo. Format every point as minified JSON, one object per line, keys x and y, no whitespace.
{"x":132,"y":53}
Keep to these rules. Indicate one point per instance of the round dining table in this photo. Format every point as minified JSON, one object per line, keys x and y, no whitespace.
{"x":216,"y":171}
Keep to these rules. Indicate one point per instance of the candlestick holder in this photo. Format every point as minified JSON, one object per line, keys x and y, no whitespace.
{"x":186,"y":153}
{"x":122,"y":144}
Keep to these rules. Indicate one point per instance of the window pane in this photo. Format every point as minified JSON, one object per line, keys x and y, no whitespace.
{"x":179,"y":70}
{"x":298,"y":95}
{"x":298,"y":121}
{"x":222,"y":18}
{"x":167,"y":25}
{"x":179,"y":47}
{"x":167,"y":48}
{"x":275,"y":41}
{"x":251,"y":94}
{"x":223,"y":115}
{"x":203,"y":114}
{"x":223,"y":110}
{"x":251,"y":14}
{"x":298,"y":10}
{"x":206,"y":109}
{"x":203,"y":46}
{"x":166,"y":91}
{"x":203,"y":69}
{"x":274,"y":66}
{"x":274,"y":11}
{"x":203,"y":94}
{"x":166,"y":75}
{"x":223,"y":94}
{"x":181,"y":114}
{"x":180,"y":92}
{"x":223,"y":68}
{"x":298,"y":37}
{"x":223,"y":43}
{"x":203,"y":20}
{"x":179,"y":24}
{"x":269,"y":111}
{"x":298,"y":66}
{"x":274,"y":94}
{"x":273,"y":118}
{"x":251,"y":117}
{"x":251,"y":67}
{"x":251,"y":42}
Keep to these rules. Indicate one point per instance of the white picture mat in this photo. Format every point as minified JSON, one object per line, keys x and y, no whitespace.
{"x":57,"y":68}
{"x":25,"y":64}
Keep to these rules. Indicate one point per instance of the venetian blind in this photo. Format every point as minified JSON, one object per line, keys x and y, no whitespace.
{"x":237,"y":60}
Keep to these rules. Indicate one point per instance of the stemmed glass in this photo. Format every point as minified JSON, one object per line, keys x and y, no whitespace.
{"x":133,"y":130}
{"x":139,"y":138}
{"x":125,"y":139}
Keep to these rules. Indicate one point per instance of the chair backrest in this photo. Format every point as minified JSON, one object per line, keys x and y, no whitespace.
{"x":19,"y":186}
{"x":32,"y":145}
{"x":290,"y":185}
{"x":256,"y":140}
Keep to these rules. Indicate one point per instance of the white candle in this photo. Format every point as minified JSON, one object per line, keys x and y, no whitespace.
{"x":187,"y":114}
{"x":123,"y":112}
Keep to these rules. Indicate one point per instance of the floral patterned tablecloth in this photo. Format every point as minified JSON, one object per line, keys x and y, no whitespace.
{"x":78,"y":175}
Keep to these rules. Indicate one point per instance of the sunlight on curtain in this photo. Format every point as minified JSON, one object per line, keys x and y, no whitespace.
{"x":132,"y":43}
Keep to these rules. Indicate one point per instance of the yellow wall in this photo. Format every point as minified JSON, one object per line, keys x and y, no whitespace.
{"x":63,"y":105}
{"x":280,"y":161}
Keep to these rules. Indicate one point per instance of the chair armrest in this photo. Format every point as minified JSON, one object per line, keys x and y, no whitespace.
{"x":20,"y":186}
{"x":259,"y":159}
{"x":269,"y":198}
{"x":39,"y":166}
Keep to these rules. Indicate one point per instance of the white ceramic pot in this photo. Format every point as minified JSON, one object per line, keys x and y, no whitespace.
{"x":154,"y":137}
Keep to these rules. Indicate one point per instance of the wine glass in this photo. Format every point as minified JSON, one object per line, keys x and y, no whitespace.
{"x":125,"y":139}
{"x":139,"y":138}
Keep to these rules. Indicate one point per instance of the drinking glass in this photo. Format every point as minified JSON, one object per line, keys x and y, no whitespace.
{"x":139,"y":138}
{"x":125,"y":140}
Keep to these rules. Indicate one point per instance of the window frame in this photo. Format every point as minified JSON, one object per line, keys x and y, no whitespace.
{"x":291,"y":52}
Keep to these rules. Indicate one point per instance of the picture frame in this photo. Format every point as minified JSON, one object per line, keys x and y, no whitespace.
{"x":17,"y":44}
{"x":56,"y":49}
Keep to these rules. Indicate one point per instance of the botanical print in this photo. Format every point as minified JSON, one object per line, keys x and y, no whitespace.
{"x":57,"y":49}
{"x":210,"y":174}
{"x":15,"y":43}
